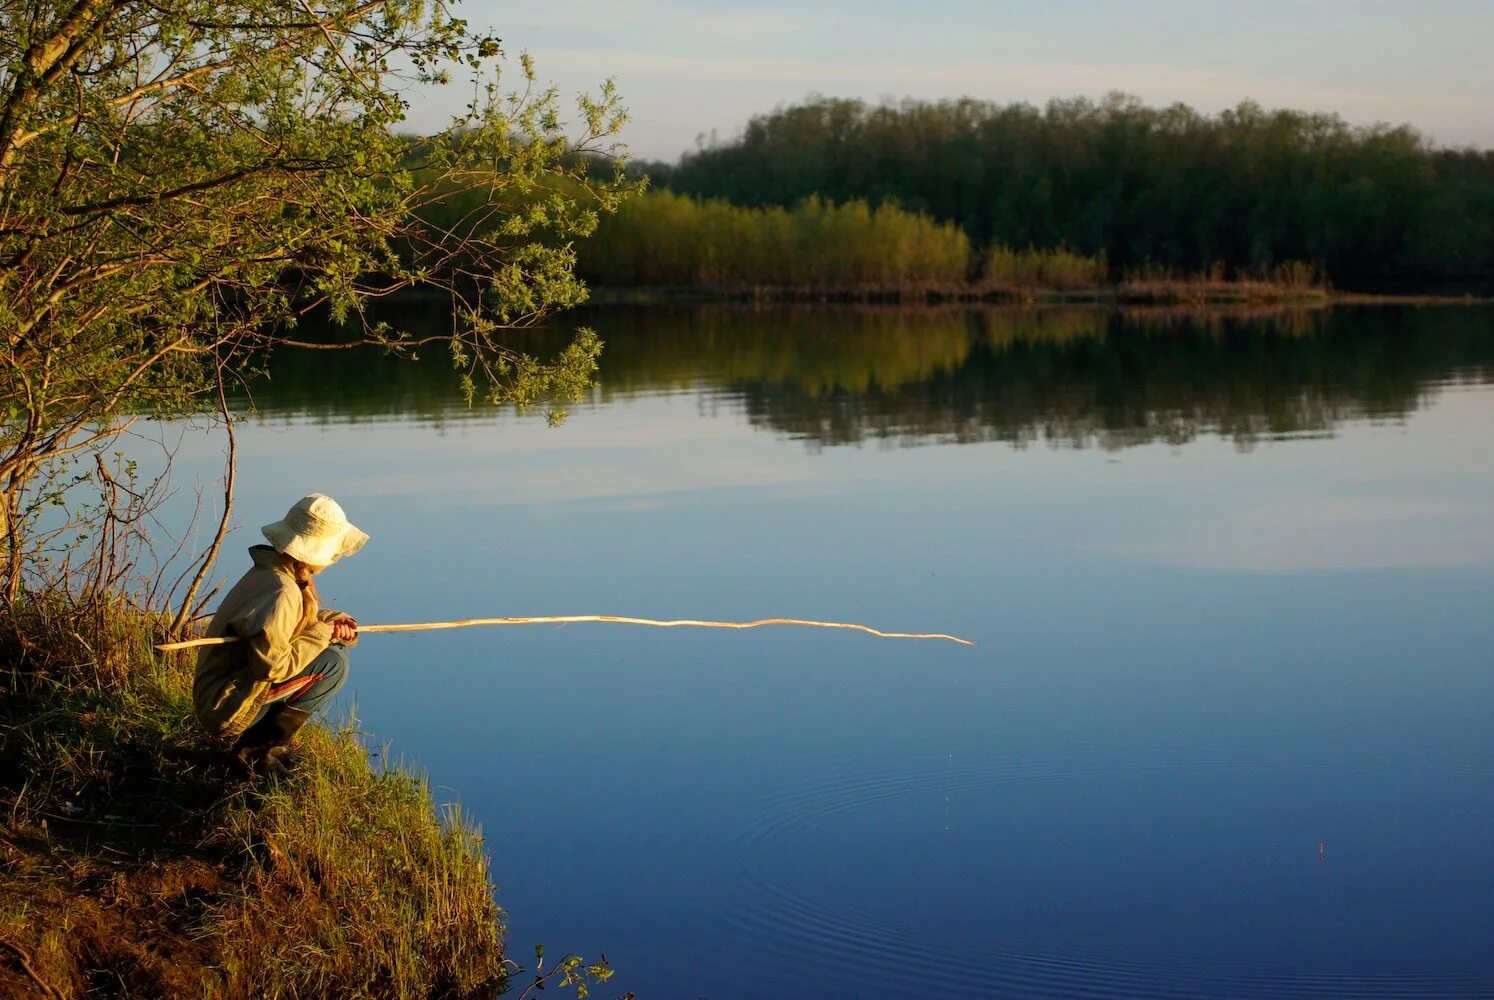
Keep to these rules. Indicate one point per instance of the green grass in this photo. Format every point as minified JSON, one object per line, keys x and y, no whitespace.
{"x":136,"y":864}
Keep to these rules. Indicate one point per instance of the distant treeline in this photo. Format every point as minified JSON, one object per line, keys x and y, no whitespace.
{"x":667,"y":239}
{"x":1244,"y":190}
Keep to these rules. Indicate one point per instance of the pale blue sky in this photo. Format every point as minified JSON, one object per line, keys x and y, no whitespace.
{"x":687,"y":67}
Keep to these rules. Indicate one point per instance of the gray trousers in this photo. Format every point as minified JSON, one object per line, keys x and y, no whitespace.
{"x":313,"y":687}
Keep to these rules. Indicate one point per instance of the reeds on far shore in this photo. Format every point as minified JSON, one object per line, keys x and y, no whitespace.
{"x":1288,"y":280}
{"x":663,"y":244}
{"x":1017,"y":271}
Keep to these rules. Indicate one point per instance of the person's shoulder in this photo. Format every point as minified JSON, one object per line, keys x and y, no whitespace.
{"x":282,"y":583}
{"x":267,"y":590}
{"x":265,"y":569}
{"x":267,"y":578}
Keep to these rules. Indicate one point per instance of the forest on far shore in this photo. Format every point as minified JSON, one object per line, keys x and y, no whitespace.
{"x":1245,"y":190}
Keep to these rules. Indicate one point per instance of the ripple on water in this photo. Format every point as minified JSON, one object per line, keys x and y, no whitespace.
{"x":832,"y":942}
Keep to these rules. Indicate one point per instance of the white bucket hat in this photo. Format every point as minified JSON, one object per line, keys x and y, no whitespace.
{"x":315,"y":531}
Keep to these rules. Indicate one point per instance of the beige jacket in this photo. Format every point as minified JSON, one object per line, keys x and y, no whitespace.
{"x":264,"y":608}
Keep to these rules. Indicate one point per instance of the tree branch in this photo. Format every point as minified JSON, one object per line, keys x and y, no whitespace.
{"x":229,"y":475}
{"x":160,"y":85}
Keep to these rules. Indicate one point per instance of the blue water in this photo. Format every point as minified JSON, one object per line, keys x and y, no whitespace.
{"x":1225,"y":729}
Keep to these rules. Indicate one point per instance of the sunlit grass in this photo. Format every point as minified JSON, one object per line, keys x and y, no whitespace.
{"x":138,"y":864}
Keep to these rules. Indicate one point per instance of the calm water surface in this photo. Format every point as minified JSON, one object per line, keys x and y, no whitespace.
{"x":1226,"y":729}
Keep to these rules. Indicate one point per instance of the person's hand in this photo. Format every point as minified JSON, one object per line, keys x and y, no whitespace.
{"x":344,"y":630}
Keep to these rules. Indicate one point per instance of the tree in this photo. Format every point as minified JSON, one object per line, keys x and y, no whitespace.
{"x":181,"y":180}
{"x":1247,"y":188}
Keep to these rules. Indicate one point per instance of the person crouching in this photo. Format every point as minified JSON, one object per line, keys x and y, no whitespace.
{"x":292,"y":656}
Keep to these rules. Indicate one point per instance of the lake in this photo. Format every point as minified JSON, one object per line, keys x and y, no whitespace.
{"x":1226,"y":728}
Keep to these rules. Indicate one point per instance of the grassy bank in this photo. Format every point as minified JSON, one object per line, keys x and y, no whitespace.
{"x":135,"y":864}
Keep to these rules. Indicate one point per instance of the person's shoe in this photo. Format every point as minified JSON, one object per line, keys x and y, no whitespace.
{"x":264,"y":745}
{"x":278,"y":761}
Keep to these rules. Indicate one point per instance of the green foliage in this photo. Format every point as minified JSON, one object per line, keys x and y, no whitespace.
{"x":672,"y":240}
{"x":1005,"y":268}
{"x":664,"y":238}
{"x":181,"y":181}
{"x":572,"y":972}
{"x":1248,"y":187}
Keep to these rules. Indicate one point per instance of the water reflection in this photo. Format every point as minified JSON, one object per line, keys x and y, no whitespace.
{"x":1073,"y":376}
{"x":1194,"y":665}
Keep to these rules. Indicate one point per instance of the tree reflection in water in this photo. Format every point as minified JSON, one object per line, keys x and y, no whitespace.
{"x":1077,"y":376}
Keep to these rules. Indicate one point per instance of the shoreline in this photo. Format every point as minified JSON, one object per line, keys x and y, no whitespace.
{"x":1112,"y":296}
{"x":133,"y":856}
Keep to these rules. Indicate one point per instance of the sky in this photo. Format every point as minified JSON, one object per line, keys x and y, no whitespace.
{"x":689,"y":69}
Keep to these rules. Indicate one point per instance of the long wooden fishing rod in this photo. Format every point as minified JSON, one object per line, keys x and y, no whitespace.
{"x":568,"y":619}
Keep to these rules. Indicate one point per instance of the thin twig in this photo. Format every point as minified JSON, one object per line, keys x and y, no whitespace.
{"x":228,"y":480}
{"x":41,"y":983}
{"x":99,"y":822}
